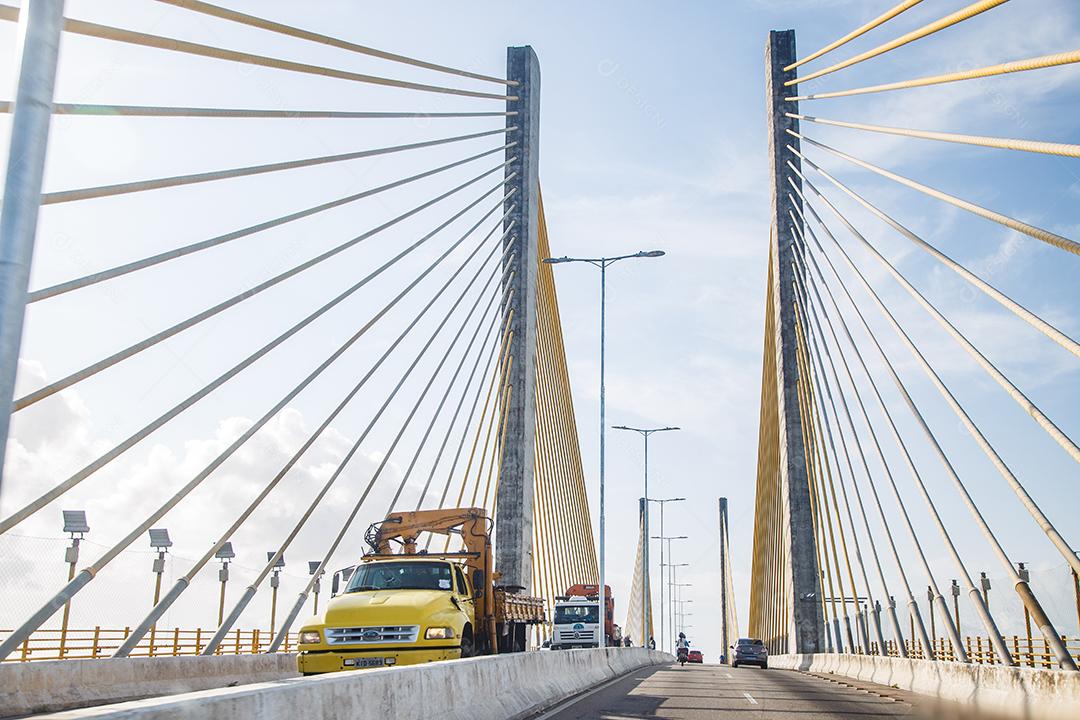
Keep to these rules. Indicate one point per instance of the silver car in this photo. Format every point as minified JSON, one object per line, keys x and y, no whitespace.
{"x":750,"y":651}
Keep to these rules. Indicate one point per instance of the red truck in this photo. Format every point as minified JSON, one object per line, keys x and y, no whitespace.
{"x":576,"y":620}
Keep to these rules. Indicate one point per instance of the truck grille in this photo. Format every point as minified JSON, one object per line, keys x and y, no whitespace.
{"x":567,"y":635}
{"x":369,"y":635}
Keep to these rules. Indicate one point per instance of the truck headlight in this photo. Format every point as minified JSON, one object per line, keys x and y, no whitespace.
{"x":438,"y":633}
{"x":309,"y":637}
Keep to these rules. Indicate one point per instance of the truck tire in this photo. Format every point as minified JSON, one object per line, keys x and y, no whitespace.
{"x":467,"y":647}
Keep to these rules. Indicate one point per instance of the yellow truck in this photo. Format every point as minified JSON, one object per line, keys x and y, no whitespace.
{"x":412,"y":606}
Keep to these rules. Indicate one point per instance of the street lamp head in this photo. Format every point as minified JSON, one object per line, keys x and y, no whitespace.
{"x":313,"y":566}
{"x":645,"y":431}
{"x":280,"y":561}
{"x":225,"y":552}
{"x":75,"y":522}
{"x":159,"y":538}
{"x":650,"y":253}
{"x":554,"y":260}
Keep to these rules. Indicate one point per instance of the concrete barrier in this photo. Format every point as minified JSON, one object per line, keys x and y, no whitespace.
{"x":47,"y":686}
{"x":992,"y":689}
{"x":504,"y":687}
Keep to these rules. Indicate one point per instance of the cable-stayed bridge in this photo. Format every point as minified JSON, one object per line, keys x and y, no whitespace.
{"x":452,"y":342}
{"x":835,"y":507}
{"x":431,"y":330}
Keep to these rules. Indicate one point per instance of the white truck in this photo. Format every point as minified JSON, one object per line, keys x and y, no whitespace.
{"x":576,"y":622}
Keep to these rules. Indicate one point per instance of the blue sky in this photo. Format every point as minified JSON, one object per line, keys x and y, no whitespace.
{"x":653,"y":135}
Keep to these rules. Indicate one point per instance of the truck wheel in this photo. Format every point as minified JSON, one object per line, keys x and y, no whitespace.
{"x":467,"y":649}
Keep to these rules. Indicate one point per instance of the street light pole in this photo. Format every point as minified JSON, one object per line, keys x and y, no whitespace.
{"x":602,"y":263}
{"x":663,"y":581}
{"x":602,"y":635}
{"x":671,"y":597}
{"x":76,"y":526}
{"x":682,"y":603}
{"x":646,"y":585}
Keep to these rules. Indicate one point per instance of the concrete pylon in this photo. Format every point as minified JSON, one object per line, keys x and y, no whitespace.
{"x":729,"y":621}
{"x":804,"y":620}
{"x":514,"y":501}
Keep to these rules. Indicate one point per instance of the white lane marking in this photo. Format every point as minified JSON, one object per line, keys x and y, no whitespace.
{"x":750,"y":697}
{"x":729,"y":676}
{"x":553,"y":711}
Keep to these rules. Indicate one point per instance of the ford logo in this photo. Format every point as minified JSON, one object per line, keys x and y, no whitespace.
{"x":372,"y":635}
{"x":579,"y":626}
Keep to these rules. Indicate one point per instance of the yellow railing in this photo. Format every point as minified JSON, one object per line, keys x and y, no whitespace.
{"x":102,"y":642}
{"x":1026,"y":652}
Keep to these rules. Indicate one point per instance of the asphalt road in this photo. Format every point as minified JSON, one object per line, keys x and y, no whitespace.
{"x":695,"y":692}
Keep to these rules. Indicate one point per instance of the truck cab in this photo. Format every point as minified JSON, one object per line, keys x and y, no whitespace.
{"x":576,"y":623}
{"x":392,"y":612}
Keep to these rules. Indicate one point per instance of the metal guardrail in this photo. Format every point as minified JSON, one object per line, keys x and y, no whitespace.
{"x":1026,"y":652}
{"x":98,"y":642}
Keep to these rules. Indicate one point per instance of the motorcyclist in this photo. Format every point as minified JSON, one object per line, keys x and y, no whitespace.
{"x":682,"y":648}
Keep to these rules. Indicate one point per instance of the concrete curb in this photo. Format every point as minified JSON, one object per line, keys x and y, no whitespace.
{"x":1009,"y":691}
{"x":48,"y":686}
{"x":487,"y":688}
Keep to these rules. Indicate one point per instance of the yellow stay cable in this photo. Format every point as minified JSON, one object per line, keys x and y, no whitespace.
{"x":263,"y":24}
{"x":1038,"y":233}
{"x":506,"y":360}
{"x":545,"y":459}
{"x":862,"y":30}
{"x":508,"y":335}
{"x":555,"y":428}
{"x":959,"y":16}
{"x":836,"y":508}
{"x":107,"y":32}
{"x":493,"y":431}
{"x":1034,"y":146}
{"x":543,"y":464}
{"x":819,"y":489}
{"x":567,"y":423}
{"x":811,"y":484}
{"x":1036,"y":63}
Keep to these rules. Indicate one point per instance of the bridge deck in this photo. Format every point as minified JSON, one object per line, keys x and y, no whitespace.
{"x":714,"y":691}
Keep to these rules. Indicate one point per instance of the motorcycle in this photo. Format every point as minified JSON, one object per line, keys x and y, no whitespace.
{"x":683,"y":655}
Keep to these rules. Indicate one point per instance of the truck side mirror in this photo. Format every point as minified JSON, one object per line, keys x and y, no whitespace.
{"x":335,"y":584}
{"x":478,"y":584}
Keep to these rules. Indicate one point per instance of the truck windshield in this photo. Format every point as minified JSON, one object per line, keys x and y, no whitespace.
{"x":401,"y":576}
{"x":576,"y":614}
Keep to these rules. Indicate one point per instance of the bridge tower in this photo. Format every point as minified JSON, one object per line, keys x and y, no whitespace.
{"x":785,"y":589}
{"x":514,"y":500}
{"x":729,"y":620}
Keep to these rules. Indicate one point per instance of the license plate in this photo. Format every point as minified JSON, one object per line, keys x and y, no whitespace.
{"x":365,"y":662}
